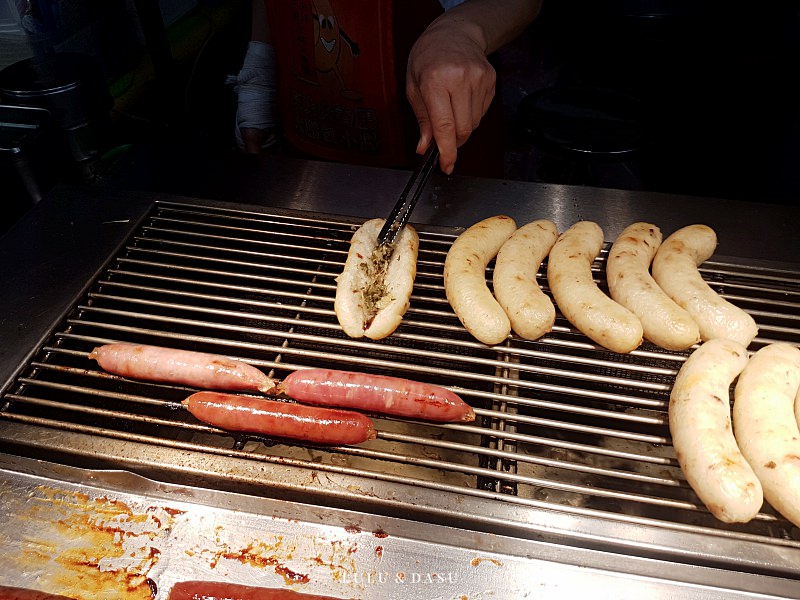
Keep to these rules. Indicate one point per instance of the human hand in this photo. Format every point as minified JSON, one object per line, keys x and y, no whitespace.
{"x":450,"y":85}
{"x":255,"y":141}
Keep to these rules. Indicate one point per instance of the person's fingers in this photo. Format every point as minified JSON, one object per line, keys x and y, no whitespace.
{"x":481,"y":96}
{"x":252,"y":138}
{"x":486,"y":97}
{"x":449,"y":94}
{"x":436,"y":123}
{"x":443,"y":126}
{"x":466,"y":115}
{"x":421,"y":113}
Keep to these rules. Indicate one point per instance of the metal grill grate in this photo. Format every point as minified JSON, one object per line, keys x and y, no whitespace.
{"x":560,"y":423}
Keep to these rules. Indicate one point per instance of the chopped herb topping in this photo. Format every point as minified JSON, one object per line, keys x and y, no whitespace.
{"x":375,"y":292}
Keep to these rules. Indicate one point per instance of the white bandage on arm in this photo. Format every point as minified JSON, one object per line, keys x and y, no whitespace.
{"x":255,"y":87}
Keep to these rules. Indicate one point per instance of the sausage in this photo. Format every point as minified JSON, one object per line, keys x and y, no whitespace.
{"x":465,"y":279}
{"x":373,"y":291}
{"x":214,"y":590}
{"x":764,"y":424}
{"x":281,"y":419}
{"x":797,"y":408}
{"x":629,"y":282}
{"x":675,"y":269}
{"x":14,"y":593}
{"x":529,"y":309}
{"x":581,"y":301}
{"x":376,"y":393}
{"x":169,"y":365}
{"x":700,"y":425}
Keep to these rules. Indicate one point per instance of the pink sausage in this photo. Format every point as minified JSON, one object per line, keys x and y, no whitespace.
{"x":197,"y":369}
{"x":212,"y":590}
{"x":13,"y":593}
{"x":376,"y":393}
{"x":281,"y":419}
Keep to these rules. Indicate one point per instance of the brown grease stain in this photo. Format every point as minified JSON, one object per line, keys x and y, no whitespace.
{"x":477,"y":561}
{"x":260,"y":555}
{"x":102,"y":545}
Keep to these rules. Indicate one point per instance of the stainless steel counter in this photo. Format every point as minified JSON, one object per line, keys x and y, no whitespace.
{"x":147,"y":536}
{"x":745,"y":230}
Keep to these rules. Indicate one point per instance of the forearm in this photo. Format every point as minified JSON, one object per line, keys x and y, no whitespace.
{"x":490,"y":23}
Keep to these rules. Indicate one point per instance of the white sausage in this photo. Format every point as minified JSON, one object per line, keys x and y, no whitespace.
{"x":797,"y":408}
{"x":629,"y":282}
{"x":373,"y":294}
{"x":675,"y":270}
{"x":530,"y":310}
{"x":465,"y":279}
{"x":700,"y":425}
{"x":569,"y":273}
{"x":765,"y":427}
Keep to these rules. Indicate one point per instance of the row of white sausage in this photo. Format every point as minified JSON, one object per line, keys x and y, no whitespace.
{"x":673,"y":308}
{"x":734,"y":465}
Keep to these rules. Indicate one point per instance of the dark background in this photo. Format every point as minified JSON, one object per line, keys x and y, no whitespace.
{"x":714,"y":86}
{"x":718,"y":82}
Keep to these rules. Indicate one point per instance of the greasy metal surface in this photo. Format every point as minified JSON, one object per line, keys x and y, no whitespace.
{"x":109,"y":534}
{"x":746,"y":230}
{"x":570,"y":445}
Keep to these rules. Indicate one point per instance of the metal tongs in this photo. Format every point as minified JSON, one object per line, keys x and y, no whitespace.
{"x":402,"y":210}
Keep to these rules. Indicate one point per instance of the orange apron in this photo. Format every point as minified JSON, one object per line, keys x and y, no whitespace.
{"x":341,"y":67}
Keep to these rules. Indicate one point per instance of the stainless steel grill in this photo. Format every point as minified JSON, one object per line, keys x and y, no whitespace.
{"x":562,"y":425}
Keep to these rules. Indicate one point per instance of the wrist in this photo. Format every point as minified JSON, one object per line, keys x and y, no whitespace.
{"x":455,"y":27}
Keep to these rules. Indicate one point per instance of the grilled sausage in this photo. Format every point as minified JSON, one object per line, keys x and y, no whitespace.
{"x":214,"y":590}
{"x":465,"y":279}
{"x":281,"y":419}
{"x":629,"y":282}
{"x":14,"y":593}
{"x":675,"y":268}
{"x":581,"y":301}
{"x":529,"y":309}
{"x":376,"y":393}
{"x":700,"y":424}
{"x":765,"y":427}
{"x":374,"y":289}
{"x":168,"y":365}
{"x":797,"y":408}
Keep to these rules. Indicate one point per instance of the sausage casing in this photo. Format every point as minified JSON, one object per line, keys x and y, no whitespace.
{"x":14,"y":593}
{"x":465,"y":279}
{"x":215,"y":590}
{"x":376,"y":393}
{"x":529,"y":309}
{"x":581,"y":301}
{"x":675,"y":268}
{"x":765,"y":426}
{"x":700,"y":425}
{"x":186,"y":367}
{"x":281,"y":419}
{"x":373,"y":290}
{"x":629,"y":282}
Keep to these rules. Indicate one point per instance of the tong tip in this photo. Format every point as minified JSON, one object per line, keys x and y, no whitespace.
{"x":402,"y":210}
